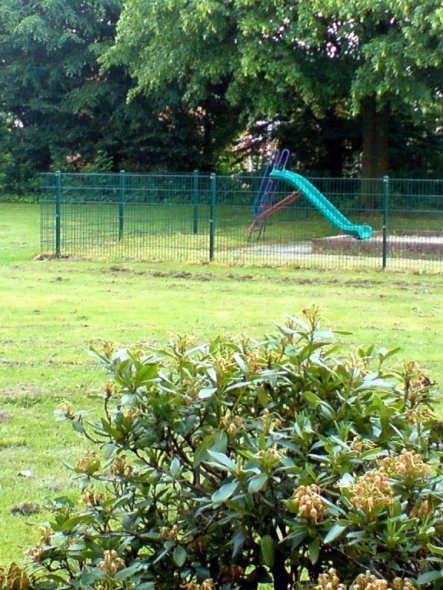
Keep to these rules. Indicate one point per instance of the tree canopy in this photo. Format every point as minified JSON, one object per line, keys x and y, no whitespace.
{"x":172,"y":84}
{"x":373,"y":59}
{"x":57,"y":110}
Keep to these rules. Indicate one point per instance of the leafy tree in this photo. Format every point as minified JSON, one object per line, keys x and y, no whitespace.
{"x":61,"y":112}
{"x":416,"y":147}
{"x":354,"y":57}
{"x":232,"y":463}
{"x":16,"y":173}
{"x":395,"y":48}
{"x":49,"y":86}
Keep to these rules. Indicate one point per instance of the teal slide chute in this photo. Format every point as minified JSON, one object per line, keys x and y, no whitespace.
{"x":324,"y":205}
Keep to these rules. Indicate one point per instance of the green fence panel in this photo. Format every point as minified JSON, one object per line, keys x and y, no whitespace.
{"x":202,"y":217}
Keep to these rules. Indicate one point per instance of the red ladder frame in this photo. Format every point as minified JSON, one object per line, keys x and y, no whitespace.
{"x":263,"y":216}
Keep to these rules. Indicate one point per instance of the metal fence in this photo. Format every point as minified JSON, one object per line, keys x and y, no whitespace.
{"x":206,"y":217}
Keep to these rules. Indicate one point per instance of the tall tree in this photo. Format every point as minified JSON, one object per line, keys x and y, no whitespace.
{"x":395,"y":48}
{"x":169,"y":44}
{"x":358,"y":57}
{"x":61,"y":111}
{"x":48,"y":77}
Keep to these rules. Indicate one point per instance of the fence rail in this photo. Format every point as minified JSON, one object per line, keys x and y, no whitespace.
{"x":204,"y":217}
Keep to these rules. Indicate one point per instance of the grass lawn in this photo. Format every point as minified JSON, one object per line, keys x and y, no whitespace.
{"x":52,"y":311}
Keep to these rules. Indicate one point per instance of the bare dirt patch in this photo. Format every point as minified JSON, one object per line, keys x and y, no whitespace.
{"x":296,"y":279}
{"x":4,"y":416}
{"x":401,"y":245}
{"x":25,"y":389}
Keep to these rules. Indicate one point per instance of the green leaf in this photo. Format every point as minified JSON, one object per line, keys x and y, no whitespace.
{"x":225,"y":492}
{"x":222,"y":461}
{"x":175,"y":467}
{"x":78,"y":426}
{"x":429,"y":577}
{"x":243,"y":366}
{"x":257,"y":483}
{"x":314,"y":550}
{"x":206,"y":392}
{"x":237,"y":542}
{"x":371,"y":454}
{"x":128,"y":572}
{"x":334,"y":532}
{"x":312,"y":398}
{"x":298,"y":536}
{"x":72,"y":522}
{"x":263,"y":396}
{"x":435,"y":549}
{"x":267,"y":547}
{"x":217,"y":441}
{"x":179,"y":555}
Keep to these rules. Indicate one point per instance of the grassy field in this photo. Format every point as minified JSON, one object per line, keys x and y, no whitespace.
{"x":52,"y":310}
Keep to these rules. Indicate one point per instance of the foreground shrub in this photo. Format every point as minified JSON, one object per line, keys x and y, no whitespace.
{"x":226,"y":465}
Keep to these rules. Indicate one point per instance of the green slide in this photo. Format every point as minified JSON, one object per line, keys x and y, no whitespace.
{"x":326,"y":208}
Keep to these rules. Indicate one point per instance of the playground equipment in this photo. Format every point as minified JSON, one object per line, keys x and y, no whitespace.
{"x":263,"y":207}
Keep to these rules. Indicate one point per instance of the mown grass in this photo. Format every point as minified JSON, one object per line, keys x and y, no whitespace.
{"x":52,"y":310}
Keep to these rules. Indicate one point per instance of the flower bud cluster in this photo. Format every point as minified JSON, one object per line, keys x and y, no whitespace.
{"x":108,"y":348}
{"x":400,"y":584}
{"x":421,"y":510}
{"x":109,"y":389}
{"x":420,"y":379}
{"x":270,"y":421}
{"x":46,"y":533}
{"x":407,"y":464}
{"x":120,"y":466}
{"x":92,"y":498}
{"x":270,"y":454}
{"x":89,"y":463}
{"x":416,"y":384}
{"x":67,"y":410}
{"x":361,"y":444}
{"x":111,"y":562}
{"x":231,"y":424}
{"x":329,"y":581}
{"x":131,"y":413}
{"x":368,"y":581}
{"x":199,"y":544}
{"x":372,"y":490}
{"x":419,"y":414}
{"x":169,"y":532}
{"x":254,"y":362}
{"x":309,"y":503}
{"x":39,"y":552}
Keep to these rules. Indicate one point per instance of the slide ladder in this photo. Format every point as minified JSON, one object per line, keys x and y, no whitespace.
{"x":263,"y":206}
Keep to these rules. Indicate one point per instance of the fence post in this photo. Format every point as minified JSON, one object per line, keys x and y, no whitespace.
{"x":121,"y":202}
{"x":385,"y":219}
{"x":213,"y":188}
{"x":58,"y":201}
{"x":195,"y":198}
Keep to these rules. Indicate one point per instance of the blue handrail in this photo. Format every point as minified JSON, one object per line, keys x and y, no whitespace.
{"x":262,"y":201}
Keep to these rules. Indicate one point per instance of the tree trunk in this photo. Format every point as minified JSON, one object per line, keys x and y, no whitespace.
{"x":375,"y":160}
{"x":334,"y":144}
{"x":282,"y":578}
